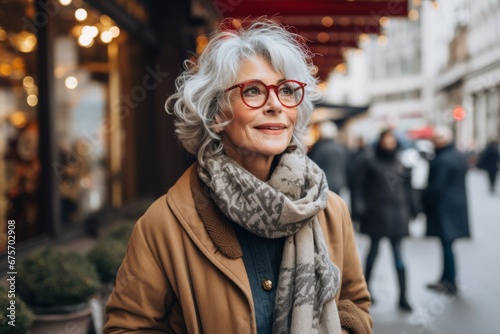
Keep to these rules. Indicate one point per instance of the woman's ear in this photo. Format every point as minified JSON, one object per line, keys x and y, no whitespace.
{"x":218,"y":128}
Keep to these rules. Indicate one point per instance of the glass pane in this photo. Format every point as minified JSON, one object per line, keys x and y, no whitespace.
{"x":19,"y":163}
{"x":83,"y":125}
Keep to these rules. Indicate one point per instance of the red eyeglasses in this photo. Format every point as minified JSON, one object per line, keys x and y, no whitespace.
{"x":254,"y":93}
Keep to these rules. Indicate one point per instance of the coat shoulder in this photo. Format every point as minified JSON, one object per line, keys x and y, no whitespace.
{"x":156,"y":213}
{"x":163,"y":213}
{"x":335,"y":203}
{"x":335,"y":217}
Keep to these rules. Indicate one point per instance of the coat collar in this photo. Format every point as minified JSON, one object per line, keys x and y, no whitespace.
{"x":218,"y":226}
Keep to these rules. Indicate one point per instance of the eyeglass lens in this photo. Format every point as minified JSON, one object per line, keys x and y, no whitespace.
{"x":255,"y":94}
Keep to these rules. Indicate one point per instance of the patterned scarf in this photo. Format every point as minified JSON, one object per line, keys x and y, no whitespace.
{"x":285,"y":206}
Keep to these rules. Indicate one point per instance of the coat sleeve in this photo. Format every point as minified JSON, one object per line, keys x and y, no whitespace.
{"x":411,"y":199}
{"x":142,"y":300}
{"x":354,"y":299}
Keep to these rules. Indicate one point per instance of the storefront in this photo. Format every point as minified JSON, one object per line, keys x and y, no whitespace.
{"x":82,"y":87}
{"x":19,"y":128}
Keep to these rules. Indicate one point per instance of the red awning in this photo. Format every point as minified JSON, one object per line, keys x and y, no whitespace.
{"x":330,"y":26}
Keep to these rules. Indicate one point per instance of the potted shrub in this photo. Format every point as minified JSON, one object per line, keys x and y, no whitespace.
{"x":58,"y":285}
{"x":107,"y":256}
{"x":108,"y":253}
{"x":15,"y":318}
{"x":123,"y":231}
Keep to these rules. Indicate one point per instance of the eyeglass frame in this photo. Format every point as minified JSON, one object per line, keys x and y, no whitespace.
{"x":268,"y":87}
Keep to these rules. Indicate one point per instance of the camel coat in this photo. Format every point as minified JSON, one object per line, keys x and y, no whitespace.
{"x":184,"y":273}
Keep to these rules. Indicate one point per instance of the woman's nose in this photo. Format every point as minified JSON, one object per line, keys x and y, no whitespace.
{"x":273,"y":103}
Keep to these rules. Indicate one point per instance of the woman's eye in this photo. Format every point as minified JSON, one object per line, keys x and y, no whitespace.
{"x":252,"y":91}
{"x":286,"y":91}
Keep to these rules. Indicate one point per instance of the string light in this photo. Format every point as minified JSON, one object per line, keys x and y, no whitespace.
{"x":323,"y":37}
{"x":341,"y":68}
{"x":28,"y":82}
{"x":327,"y":21}
{"x":413,"y":15}
{"x":106,"y":37}
{"x":71,"y":82}
{"x":362,"y":38}
{"x":382,"y":40}
{"x":81,"y":14}
{"x":115,"y":31}
{"x":106,"y":20}
{"x":384,"y":21}
{"x":32,"y":100}
{"x":85,"y":41}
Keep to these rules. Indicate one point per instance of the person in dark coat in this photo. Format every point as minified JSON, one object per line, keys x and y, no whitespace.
{"x":445,"y":203}
{"x":330,"y":156}
{"x":355,"y":158}
{"x":488,"y":160}
{"x":385,"y":205}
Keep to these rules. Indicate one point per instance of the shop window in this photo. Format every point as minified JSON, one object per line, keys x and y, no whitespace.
{"x":84,"y":52}
{"x":100,"y":83}
{"x":19,"y":162}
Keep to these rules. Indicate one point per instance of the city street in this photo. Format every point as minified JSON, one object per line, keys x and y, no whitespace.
{"x":475,"y":309}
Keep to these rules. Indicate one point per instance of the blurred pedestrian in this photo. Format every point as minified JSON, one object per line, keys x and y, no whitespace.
{"x":445,"y":203}
{"x":488,"y":160}
{"x":417,"y":158}
{"x":355,"y":158}
{"x":249,"y":239}
{"x":386,"y":205}
{"x":330,"y":155}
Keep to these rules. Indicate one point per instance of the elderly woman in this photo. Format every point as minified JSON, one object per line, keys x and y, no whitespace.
{"x":249,"y":240}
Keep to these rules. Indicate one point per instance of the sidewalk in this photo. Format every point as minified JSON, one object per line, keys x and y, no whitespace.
{"x":475,"y":309}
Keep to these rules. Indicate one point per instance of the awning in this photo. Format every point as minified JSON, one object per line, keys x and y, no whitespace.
{"x":329,"y":26}
{"x":337,"y":113}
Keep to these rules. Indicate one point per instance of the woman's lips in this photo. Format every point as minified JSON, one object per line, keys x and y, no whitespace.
{"x":271,"y":128}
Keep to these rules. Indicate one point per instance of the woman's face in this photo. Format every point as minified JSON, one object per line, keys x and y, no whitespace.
{"x":388,"y":142}
{"x":258,"y":132}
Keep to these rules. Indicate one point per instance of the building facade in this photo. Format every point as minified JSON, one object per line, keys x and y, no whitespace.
{"x":393,"y":79}
{"x":439,"y":66}
{"x":471,"y":78}
{"x":83,"y":127}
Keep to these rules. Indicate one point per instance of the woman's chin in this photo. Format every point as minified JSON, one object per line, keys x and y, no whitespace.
{"x":273,"y":151}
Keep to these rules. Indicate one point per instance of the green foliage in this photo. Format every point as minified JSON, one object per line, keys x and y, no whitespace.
{"x":122,"y":232}
{"x":108,"y":253}
{"x":107,"y":256}
{"x":54,"y":277}
{"x":23,"y":315}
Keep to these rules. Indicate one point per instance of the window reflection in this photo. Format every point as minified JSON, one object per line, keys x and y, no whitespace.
{"x":19,"y":163}
{"x":83,"y":129}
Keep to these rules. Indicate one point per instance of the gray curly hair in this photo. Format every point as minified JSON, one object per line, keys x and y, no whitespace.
{"x":200,"y":88}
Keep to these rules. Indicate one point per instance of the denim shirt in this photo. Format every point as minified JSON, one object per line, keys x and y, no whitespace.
{"x":262,"y":259}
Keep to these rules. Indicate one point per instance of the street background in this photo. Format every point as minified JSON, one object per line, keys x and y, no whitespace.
{"x":475,"y":309}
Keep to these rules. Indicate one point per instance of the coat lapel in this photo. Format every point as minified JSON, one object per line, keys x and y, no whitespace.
{"x":210,"y":231}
